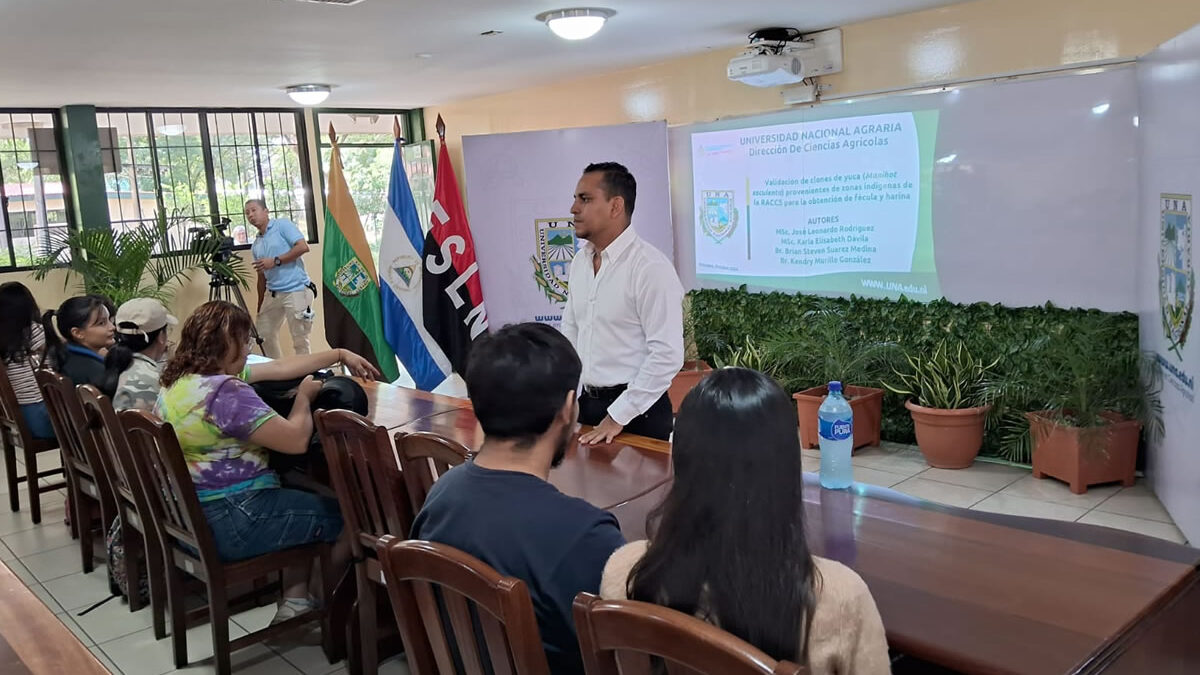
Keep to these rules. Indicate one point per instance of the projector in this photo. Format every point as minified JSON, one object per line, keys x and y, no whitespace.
{"x":781,"y":56}
{"x":766,"y":70}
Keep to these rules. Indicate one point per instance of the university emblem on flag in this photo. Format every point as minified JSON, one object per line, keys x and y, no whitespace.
{"x":556,"y":247}
{"x":405,"y":272}
{"x":718,"y":215}
{"x":351,"y":279}
{"x":1176,"y":278}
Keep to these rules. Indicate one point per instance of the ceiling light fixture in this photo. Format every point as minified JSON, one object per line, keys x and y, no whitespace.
{"x":27,"y":165}
{"x":578,"y":23}
{"x":308,"y":94}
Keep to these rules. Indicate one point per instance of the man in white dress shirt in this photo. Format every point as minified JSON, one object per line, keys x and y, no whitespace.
{"x":624,"y":313}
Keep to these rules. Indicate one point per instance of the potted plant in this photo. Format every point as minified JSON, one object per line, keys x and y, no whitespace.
{"x":948,"y":390}
{"x":151,"y":260}
{"x":749,"y":355}
{"x":825,"y":351}
{"x":1089,"y":430}
{"x":694,"y":368}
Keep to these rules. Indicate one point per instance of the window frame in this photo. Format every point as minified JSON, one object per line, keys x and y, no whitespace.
{"x":302,"y":150}
{"x":56,"y":114}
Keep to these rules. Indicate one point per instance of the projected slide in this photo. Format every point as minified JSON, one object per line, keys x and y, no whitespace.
{"x":840,"y":205}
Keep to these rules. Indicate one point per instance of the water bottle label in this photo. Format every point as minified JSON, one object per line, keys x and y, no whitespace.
{"x":835,"y":430}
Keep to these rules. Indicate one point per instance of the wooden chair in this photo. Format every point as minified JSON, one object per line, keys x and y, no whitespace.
{"x":620,"y":637}
{"x":423,"y":457}
{"x":103,"y":431}
{"x":187,"y":545}
{"x":90,"y":492}
{"x":425,"y":579}
{"x":18,"y":439}
{"x":374,"y":502}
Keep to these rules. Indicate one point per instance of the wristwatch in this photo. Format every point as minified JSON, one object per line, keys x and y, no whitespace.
{"x":278,"y":262}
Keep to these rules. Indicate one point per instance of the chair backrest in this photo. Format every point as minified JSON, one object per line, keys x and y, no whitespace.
{"x":66,"y":416}
{"x":366,"y":478}
{"x":478,"y":602}
{"x":172,"y":505}
{"x":12,"y":422}
{"x":620,"y":637}
{"x":423,"y":457}
{"x":102,"y":430}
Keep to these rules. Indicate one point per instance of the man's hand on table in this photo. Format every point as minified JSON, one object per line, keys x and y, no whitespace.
{"x":602,"y":433}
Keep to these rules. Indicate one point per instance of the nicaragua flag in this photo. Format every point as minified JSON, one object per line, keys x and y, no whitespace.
{"x":402,"y":273}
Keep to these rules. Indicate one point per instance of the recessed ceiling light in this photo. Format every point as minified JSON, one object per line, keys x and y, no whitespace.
{"x":171,"y":129}
{"x":578,"y":23}
{"x":308,"y":94}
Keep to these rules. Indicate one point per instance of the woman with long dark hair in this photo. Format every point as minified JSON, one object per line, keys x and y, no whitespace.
{"x":77,"y":336}
{"x":729,"y":543}
{"x":133,"y":364}
{"x":227,"y":432}
{"x":23,"y":348}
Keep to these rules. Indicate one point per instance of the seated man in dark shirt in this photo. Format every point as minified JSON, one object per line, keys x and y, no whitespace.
{"x":523,"y":382}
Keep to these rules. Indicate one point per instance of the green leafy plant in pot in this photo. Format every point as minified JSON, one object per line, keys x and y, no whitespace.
{"x":948,"y":390}
{"x":826,"y":350}
{"x":1089,"y":429}
{"x":750,"y":355}
{"x":150,"y":260}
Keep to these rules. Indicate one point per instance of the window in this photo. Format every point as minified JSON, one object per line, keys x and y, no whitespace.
{"x":199,"y":166}
{"x":366,"y":139}
{"x":33,"y":197}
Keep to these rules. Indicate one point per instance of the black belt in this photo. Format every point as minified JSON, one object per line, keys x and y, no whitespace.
{"x":310,"y":286}
{"x":604,"y":392}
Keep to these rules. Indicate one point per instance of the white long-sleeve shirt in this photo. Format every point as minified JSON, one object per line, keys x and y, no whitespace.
{"x":626,"y":322}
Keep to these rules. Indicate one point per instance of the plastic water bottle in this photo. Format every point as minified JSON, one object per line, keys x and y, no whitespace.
{"x":837,"y":439}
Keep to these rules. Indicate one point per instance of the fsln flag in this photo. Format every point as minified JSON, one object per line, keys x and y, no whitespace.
{"x":353,"y":315}
{"x":401,"y":277}
{"x":454,"y":311}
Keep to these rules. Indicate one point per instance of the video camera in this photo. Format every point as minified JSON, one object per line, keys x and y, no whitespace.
{"x":219,"y":253}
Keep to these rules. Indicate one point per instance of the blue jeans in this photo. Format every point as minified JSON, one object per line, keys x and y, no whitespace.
{"x":253,"y":522}
{"x":38,"y":418}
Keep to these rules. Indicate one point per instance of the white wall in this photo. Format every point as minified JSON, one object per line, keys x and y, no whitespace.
{"x":1169,"y":88}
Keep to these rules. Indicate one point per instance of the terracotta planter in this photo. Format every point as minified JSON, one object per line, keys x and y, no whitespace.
{"x":865,"y":402}
{"x":688,"y":377}
{"x":949,"y":439}
{"x":1082,"y":457}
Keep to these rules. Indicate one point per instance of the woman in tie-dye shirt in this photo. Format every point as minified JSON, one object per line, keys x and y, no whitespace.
{"x":227,"y":432}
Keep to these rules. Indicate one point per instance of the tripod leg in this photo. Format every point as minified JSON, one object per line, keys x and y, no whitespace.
{"x":241,"y":301}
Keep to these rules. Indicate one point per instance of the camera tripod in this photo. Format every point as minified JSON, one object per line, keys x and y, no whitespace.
{"x":221,"y":287}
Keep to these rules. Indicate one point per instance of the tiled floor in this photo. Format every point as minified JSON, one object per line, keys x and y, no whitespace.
{"x":1004,"y":489}
{"x":46,"y":559}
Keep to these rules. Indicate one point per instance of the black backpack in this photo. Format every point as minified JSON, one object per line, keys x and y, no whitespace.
{"x":337,"y":393}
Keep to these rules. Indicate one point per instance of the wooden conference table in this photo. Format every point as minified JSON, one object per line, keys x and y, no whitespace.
{"x":32,"y":640}
{"x":966,"y":590}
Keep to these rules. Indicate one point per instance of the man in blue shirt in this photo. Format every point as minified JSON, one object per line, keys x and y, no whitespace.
{"x":523,"y":381}
{"x":289,"y":292}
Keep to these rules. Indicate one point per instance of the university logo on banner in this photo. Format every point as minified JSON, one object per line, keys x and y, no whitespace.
{"x":718,"y":215}
{"x":556,"y":248}
{"x":1176,"y":277}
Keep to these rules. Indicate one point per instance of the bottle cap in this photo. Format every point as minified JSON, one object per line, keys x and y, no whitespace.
{"x":835,"y":387}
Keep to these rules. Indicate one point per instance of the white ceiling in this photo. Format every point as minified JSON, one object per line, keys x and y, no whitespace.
{"x":243,"y":52}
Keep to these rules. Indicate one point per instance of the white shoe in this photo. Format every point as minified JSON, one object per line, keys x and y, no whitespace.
{"x":291,"y":608}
